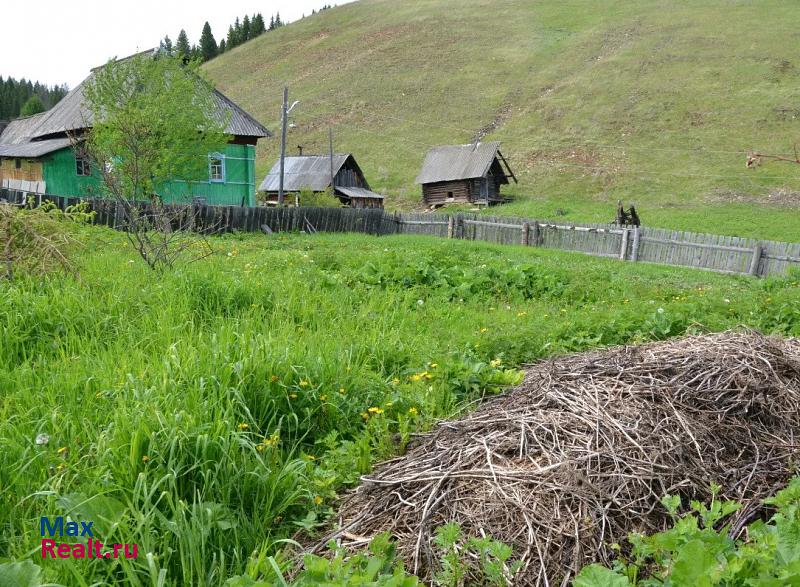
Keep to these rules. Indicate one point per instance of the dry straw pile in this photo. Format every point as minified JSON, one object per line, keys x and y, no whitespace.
{"x":581,"y":453}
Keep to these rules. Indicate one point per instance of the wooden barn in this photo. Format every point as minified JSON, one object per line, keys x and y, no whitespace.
{"x":313,"y":173}
{"x":464,"y":173}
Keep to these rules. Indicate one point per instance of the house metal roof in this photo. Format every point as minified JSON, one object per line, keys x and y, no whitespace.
{"x":455,"y":162}
{"x":304,"y":172}
{"x":359,"y":193}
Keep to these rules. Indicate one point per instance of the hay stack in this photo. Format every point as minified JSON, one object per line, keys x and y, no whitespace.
{"x":581,"y":453}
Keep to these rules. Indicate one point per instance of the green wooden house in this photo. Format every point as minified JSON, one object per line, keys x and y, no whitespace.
{"x":36,"y":155}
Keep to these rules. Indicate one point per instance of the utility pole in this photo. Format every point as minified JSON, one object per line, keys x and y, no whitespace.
{"x":330,"y":141}
{"x":284,"y":116}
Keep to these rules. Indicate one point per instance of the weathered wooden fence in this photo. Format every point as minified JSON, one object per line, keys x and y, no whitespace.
{"x":726,"y":254}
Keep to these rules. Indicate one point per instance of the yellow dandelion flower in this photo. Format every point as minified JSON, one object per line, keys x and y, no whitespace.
{"x":365,"y":415}
{"x":323,"y":398}
{"x":389,"y":404}
{"x":495,"y":363}
{"x":395,"y":381}
{"x":521,"y":314}
{"x":304,"y":383}
{"x":342,"y":391}
{"x":62,"y":450}
{"x":261,"y":447}
{"x":412,"y":411}
{"x":415,"y":377}
{"x":243,"y":426}
{"x":434,"y":365}
{"x":375,"y":410}
{"x":317,"y":500}
{"x":484,"y":330}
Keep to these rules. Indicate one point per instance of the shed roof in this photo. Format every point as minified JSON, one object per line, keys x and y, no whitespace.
{"x":304,"y":172}
{"x":20,"y":130}
{"x":455,"y":162}
{"x":359,"y":193}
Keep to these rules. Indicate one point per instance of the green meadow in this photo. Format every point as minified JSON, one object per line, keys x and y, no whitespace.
{"x":652,"y":102}
{"x":210,"y":413}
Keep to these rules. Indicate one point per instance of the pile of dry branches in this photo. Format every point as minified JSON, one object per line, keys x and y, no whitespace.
{"x":581,"y":453}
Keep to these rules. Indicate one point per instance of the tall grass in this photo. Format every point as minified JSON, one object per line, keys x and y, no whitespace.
{"x":210,"y":413}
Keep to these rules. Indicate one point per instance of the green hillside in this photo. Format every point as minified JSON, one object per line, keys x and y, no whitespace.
{"x":655,"y":102}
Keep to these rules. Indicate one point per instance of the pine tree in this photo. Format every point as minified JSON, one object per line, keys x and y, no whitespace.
{"x":222,"y":46}
{"x":246,"y":29}
{"x":208,"y":45}
{"x":278,"y":22}
{"x":257,"y":26}
{"x":231,"y":38}
{"x":182,"y":46}
{"x":272,"y":23}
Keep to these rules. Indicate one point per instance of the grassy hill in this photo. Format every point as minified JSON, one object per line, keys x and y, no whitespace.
{"x":655,"y":102}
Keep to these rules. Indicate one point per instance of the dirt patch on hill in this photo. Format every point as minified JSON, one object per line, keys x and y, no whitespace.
{"x":580,"y":454}
{"x":779,"y":198}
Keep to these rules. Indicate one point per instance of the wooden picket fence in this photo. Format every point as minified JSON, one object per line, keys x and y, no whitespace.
{"x":725,"y":254}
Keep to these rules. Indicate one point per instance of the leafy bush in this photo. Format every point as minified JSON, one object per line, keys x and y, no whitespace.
{"x":698,"y":551}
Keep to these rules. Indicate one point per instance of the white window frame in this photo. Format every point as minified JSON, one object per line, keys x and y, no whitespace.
{"x":216,"y":157}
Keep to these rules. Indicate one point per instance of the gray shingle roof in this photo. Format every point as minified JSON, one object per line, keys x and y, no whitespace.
{"x":455,"y":162}
{"x":70,"y":114}
{"x":15,"y":140}
{"x":20,"y":130}
{"x":305,"y":172}
{"x":33,"y":149}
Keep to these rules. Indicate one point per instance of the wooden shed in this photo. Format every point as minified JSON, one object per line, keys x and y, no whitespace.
{"x":464,"y":173}
{"x":313,"y":173}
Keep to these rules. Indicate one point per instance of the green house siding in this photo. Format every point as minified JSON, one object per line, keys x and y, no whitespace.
{"x":61,"y":177}
{"x":239,"y":185}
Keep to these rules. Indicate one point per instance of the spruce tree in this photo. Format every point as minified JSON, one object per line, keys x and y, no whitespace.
{"x":208,"y":45}
{"x":257,"y":26}
{"x":182,"y":47}
{"x":166,"y":45}
{"x":222,"y":46}
{"x":278,"y":22}
{"x":237,"y":31}
{"x":272,"y":23}
{"x":231,"y":38}
{"x":246,"y":29}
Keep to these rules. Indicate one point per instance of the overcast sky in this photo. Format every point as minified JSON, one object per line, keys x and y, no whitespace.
{"x":56,"y":42}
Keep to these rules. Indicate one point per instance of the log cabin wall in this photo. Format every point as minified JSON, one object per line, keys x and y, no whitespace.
{"x":447,"y":191}
{"x":21,"y":169}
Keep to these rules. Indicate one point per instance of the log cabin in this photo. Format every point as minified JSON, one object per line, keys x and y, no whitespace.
{"x":464,"y":173}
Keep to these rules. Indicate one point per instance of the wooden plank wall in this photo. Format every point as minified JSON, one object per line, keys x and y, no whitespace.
{"x":726,"y":254}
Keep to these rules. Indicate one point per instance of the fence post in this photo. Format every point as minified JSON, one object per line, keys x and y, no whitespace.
{"x":635,"y":248}
{"x":623,"y":250}
{"x":537,"y":234}
{"x":450,"y":226}
{"x":525,"y":228}
{"x":756,"y":260}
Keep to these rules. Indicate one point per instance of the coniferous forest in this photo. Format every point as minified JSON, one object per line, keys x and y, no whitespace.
{"x":24,"y":98}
